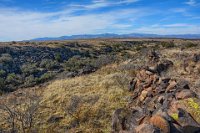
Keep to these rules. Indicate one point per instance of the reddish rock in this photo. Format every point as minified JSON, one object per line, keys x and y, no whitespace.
{"x":183,"y":94}
{"x":143,"y":95}
{"x":147,"y":128}
{"x":161,"y":123}
{"x":172,"y":85}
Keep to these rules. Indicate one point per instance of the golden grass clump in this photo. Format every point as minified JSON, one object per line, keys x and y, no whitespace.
{"x":85,"y":102}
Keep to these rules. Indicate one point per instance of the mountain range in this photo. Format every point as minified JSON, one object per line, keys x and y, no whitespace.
{"x":110,"y":35}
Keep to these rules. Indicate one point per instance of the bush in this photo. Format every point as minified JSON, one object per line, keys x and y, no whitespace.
{"x":2,"y":73}
{"x":75,"y":63}
{"x":104,"y":60}
{"x":45,"y":77}
{"x":58,"y":57}
{"x":30,"y":81}
{"x":13,"y":79}
{"x":168,"y":44}
{"x":48,"y":64}
{"x":29,"y":69}
{"x":2,"y":84}
{"x":6,"y":58}
{"x":190,"y":45}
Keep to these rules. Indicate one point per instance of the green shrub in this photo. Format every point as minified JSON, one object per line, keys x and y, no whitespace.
{"x":2,"y":84}
{"x":2,"y":73}
{"x":190,"y":45}
{"x":138,"y":48}
{"x":48,"y":64}
{"x":12,"y":79}
{"x":58,"y":57}
{"x":45,"y":77}
{"x":30,"y":81}
{"x":75,"y":63}
{"x":104,"y":60}
{"x":168,"y":44}
{"x":6,"y":58}
{"x":29,"y":69}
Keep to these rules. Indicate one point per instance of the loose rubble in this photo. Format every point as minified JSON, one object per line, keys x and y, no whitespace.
{"x":158,"y":104}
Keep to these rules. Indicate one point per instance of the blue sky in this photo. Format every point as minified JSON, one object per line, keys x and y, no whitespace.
{"x":27,"y":19}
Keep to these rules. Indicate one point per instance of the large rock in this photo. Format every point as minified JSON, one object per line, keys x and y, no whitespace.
{"x":185,"y":93}
{"x":187,"y":122}
{"x":159,"y":122}
{"x":126,"y":120}
{"x":147,"y":128}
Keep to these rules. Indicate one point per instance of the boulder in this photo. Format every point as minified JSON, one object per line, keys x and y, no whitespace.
{"x":196,"y":57}
{"x":126,"y":120}
{"x":147,"y":128}
{"x":183,"y":84}
{"x":187,"y":122}
{"x":185,"y":93}
{"x":171,"y":86}
{"x":163,"y":66}
{"x":159,"y":122}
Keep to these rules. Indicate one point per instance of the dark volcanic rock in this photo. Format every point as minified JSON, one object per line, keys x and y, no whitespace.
{"x":147,"y":128}
{"x":158,"y":97}
{"x":54,"y":119}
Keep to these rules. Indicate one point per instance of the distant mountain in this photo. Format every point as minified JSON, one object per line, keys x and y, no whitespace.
{"x":109,"y":35}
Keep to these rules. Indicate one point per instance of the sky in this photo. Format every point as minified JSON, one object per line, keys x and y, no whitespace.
{"x":28,"y":19}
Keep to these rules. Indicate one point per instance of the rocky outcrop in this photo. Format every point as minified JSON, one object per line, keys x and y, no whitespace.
{"x":158,"y":104}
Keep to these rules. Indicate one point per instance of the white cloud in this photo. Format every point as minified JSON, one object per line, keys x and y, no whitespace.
{"x":103,"y":3}
{"x":170,"y":29}
{"x":177,"y":25}
{"x":20,"y":25}
{"x":191,"y":2}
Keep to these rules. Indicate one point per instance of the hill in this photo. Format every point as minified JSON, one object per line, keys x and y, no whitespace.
{"x":109,"y":35}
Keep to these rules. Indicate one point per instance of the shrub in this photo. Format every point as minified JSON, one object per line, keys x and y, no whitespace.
{"x":29,"y":69}
{"x":58,"y":57}
{"x":104,"y":60}
{"x":6,"y":58}
{"x":14,"y":42}
{"x":75,"y":63}
{"x":2,"y":73}
{"x":2,"y":84}
{"x":45,"y":77}
{"x":48,"y":64}
{"x":30,"y":81}
{"x":11,"y":78}
{"x":190,"y":45}
{"x":168,"y":44}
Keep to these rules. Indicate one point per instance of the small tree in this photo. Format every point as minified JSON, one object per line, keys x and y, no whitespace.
{"x":20,"y":111}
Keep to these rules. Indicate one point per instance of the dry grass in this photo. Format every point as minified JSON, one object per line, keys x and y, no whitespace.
{"x":99,"y":95}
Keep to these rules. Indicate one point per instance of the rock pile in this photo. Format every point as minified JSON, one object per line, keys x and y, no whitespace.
{"x":158,"y":104}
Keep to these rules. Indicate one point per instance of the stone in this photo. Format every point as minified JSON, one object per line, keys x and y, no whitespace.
{"x":171,"y":86}
{"x":125,"y":120}
{"x":183,"y":84}
{"x":196,"y":57}
{"x":54,"y":119}
{"x":161,"y":123}
{"x":161,"y":99}
{"x":149,"y":72}
{"x":147,"y":128}
{"x":183,"y":94}
{"x":175,"y":128}
{"x":163,"y":66}
{"x":132,"y":85}
{"x":187,"y":122}
{"x":143,"y":95}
